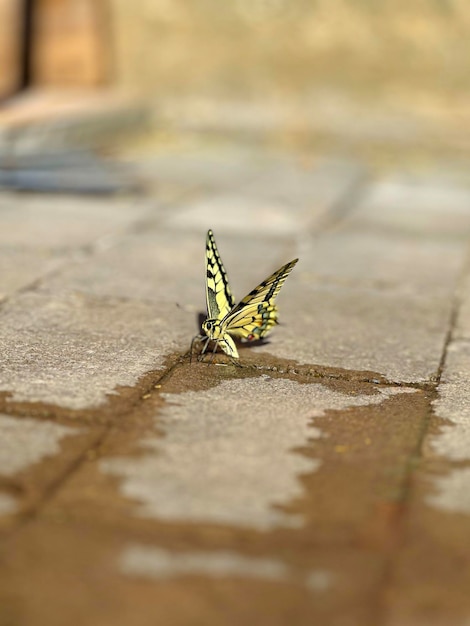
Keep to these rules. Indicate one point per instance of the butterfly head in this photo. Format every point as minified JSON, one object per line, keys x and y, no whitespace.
{"x":212,"y":328}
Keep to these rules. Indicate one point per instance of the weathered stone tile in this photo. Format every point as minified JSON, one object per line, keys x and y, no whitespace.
{"x":285,"y":199}
{"x":201,"y":169}
{"x":390,"y":262}
{"x":420,"y":207}
{"x":63,"y":222}
{"x":21,"y":267}
{"x":73,"y":350}
{"x":236,"y":212}
{"x":24,"y":442}
{"x":169,"y":266}
{"x":453,"y":400}
{"x":400,"y":337}
{"x":452,"y":442}
{"x":34,"y":454}
{"x":462,"y":323}
{"x":365,"y":300}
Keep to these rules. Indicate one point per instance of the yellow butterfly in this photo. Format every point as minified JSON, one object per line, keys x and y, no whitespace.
{"x":252,"y":318}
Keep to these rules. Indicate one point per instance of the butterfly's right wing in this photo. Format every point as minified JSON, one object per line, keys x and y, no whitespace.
{"x":219,"y":296}
{"x":256,"y":314}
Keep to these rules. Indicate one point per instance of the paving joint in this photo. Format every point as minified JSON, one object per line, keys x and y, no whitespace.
{"x":147,"y":384}
{"x":29,"y":515}
{"x":416,"y":456}
{"x":344,"y":205}
{"x":54,"y":487}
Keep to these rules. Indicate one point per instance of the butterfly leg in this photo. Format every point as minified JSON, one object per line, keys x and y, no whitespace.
{"x":204,"y":349}
{"x":211,"y":360}
{"x":191,"y":349}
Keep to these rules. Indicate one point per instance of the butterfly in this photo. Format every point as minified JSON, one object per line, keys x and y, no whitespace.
{"x":251,"y":319}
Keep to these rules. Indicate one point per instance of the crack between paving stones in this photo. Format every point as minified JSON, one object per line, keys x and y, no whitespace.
{"x":344,"y":205}
{"x":81,"y":254}
{"x":30,"y":515}
{"x":318,"y":372}
{"x":417,"y":455}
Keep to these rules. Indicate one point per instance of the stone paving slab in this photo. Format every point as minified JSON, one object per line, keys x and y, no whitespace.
{"x":224,"y":168}
{"x":462,"y":322}
{"x":284,"y":199}
{"x":34,"y":455}
{"x":431,"y":574}
{"x":389,"y":263}
{"x":20,"y":268}
{"x":416,"y":206}
{"x":159,"y":265}
{"x":73,"y":351}
{"x":395,"y":336}
{"x":40,"y":234}
{"x":62,"y":222}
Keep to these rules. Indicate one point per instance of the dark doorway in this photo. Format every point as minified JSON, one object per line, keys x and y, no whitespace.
{"x":26,"y":44}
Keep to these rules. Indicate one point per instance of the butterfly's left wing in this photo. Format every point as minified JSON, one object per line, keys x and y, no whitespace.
{"x":219,"y":298}
{"x":256,"y":314}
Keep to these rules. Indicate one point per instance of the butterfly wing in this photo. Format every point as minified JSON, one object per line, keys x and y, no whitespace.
{"x":256,"y":314}
{"x":219,"y":298}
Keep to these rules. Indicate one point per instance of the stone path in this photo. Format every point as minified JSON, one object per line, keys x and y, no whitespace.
{"x":326,"y":481}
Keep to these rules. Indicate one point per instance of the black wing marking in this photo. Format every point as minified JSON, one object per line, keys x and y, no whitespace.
{"x":219,"y":298}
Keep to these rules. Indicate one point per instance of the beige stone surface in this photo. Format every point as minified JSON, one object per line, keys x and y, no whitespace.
{"x":301,"y":487}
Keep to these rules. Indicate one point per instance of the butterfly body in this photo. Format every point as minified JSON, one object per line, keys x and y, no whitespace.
{"x":252,"y":318}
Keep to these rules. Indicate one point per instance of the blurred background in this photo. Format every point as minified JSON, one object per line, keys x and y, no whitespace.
{"x":360,"y":73}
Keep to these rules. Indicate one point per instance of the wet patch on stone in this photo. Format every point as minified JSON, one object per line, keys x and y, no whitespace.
{"x":119,"y":403}
{"x":24,"y":442}
{"x":248,"y":429}
{"x":8,"y":504}
{"x":35,"y":455}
